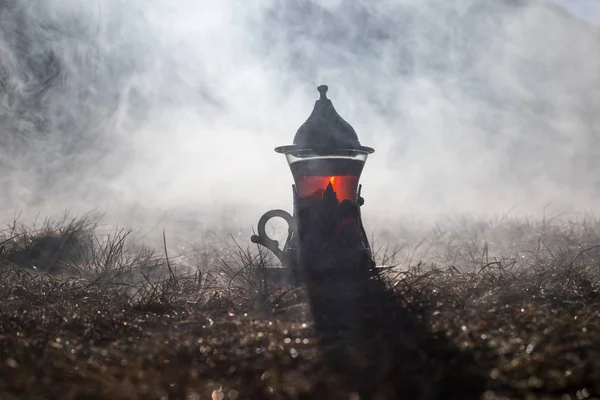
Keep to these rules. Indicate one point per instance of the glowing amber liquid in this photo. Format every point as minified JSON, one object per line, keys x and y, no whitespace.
{"x":313,"y":176}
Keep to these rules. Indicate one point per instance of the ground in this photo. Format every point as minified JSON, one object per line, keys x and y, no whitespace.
{"x":498,"y":332}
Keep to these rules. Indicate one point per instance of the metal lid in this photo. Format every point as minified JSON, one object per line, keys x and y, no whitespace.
{"x":325,"y":130}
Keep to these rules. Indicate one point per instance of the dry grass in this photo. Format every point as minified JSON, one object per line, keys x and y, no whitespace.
{"x":84,"y":315}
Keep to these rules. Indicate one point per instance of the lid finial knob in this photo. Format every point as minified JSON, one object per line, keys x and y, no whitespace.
{"x":323,"y":91}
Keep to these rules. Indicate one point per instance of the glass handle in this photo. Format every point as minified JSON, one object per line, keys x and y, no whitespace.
{"x":263,"y":239}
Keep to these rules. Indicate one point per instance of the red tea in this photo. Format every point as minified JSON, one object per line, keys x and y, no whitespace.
{"x":313,"y":176}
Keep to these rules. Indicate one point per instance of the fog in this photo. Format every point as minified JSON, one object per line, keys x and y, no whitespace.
{"x":162,"y":113}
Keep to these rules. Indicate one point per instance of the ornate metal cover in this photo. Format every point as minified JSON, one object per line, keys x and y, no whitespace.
{"x":325,"y":130}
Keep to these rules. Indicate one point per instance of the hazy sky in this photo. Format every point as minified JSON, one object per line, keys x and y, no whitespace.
{"x":588,"y":10}
{"x":144,"y":108}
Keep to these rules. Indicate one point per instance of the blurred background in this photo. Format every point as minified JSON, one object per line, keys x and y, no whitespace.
{"x":165,"y":114}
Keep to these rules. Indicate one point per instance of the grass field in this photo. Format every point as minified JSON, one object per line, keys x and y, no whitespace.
{"x":502,"y":309}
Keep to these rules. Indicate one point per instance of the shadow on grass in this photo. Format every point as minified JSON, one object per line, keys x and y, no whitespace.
{"x":382,"y":346}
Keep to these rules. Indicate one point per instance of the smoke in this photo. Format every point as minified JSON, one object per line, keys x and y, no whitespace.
{"x":155,"y":111}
